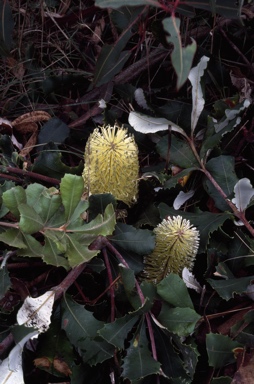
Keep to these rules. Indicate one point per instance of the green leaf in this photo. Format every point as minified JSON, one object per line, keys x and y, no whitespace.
{"x":150,"y":216}
{"x":3,"y":188}
{"x":128,"y":280}
{"x":30,"y":222}
{"x":99,"y":202}
{"x":54,"y":130}
{"x":82,"y":329}
{"x":5,"y":282}
{"x":138,"y":362}
{"x":53,"y":256}
{"x":121,"y":3}
{"x":181,"y":321}
{"x":227,"y":288}
{"x":71,"y":188}
{"x":111,"y":61}
{"x":181,"y":57}
{"x":45,"y":201}
{"x":171,"y":363}
{"x":220,"y":350}
{"x":116,"y":333}
{"x":206,"y":222}
{"x":174,"y":291}
{"x":6,"y":28}
{"x":180,"y":152}
{"x":13,"y":238}
{"x":13,"y":198}
{"x":77,"y":252}
{"x":49,"y":163}
{"x":33,"y":247}
{"x":140,"y":241}
{"x":222,"y":168}
{"x":228,"y":8}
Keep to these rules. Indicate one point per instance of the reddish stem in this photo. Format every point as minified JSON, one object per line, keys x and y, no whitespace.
{"x":111,"y":289}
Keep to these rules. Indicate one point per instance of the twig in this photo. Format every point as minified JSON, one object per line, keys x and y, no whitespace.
{"x":33,"y":175}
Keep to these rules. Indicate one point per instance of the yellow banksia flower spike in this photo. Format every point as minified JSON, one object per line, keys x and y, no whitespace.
{"x":111,"y":163}
{"x":176,"y":246}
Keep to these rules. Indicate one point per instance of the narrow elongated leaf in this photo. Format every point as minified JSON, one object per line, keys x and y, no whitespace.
{"x":3,"y":188}
{"x":121,"y":3}
{"x":229,"y":9}
{"x":181,"y":321}
{"x":5,"y":282}
{"x":71,"y":189}
{"x":222,"y":168}
{"x":128,"y":280}
{"x":198,"y":101}
{"x":13,"y":198}
{"x":220,"y":349}
{"x":6,"y":28}
{"x":181,"y":57}
{"x":82,"y":329}
{"x":30,"y":222}
{"x":206,"y":222}
{"x":138,"y":362}
{"x":174,"y":291}
{"x":149,"y":124}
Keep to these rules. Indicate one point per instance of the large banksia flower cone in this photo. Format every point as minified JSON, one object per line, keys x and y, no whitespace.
{"x":176,"y":246}
{"x":111,"y":164}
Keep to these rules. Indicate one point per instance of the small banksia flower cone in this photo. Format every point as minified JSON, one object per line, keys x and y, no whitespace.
{"x":176,"y":246}
{"x":111,"y":164}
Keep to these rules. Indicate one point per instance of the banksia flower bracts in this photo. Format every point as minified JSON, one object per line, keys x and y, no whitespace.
{"x":111,"y":164}
{"x":176,"y":246}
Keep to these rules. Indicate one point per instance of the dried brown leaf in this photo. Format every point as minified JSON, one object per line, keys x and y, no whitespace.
{"x":32,"y":117}
{"x":43,"y":362}
{"x":29,"y":145}
{"x":61,"y":366}
{"x":27,"y":127}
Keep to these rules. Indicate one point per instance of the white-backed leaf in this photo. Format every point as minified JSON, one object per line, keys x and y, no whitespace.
{"x":198,"y":101}
{"x":36,"y":312}
{"x":244,"y":192}
{"x":140,"y":98}
{"x":181,"y":198}
{"x":231,"y":114}
{"x":190,"y":280}
{"x":148,"y":124}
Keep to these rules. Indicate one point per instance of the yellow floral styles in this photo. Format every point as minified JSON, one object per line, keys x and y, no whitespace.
{"x":111,"y":163}
{"x":176,"y":246}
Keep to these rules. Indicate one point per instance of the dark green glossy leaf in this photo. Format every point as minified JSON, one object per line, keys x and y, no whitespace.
{"x":150,"y":216}
{"x":138,"y":362}
{"x":71,"y":188}
{"x":120,"y":3}
{"x":171,"y":363}
{"x":181,"y":57}
{"x":128,"y":280}
{"x":206,"y":222}
{"x":49,"y":163}
{"x":220,"y":349}
{"x":82,"y":329}
{"x":54,"y":130}
{"x":174,"y":291}
{"x":222,"y":168}
{"x":5,"y":282}
{"x":180,"y":152}
{"x":140,"y":241}
{"x":99,"y":202}
{"x":116,"y":333}
{"x":6,"y":28}
{"x":181,"y":321}
{"x":227,"y":288}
